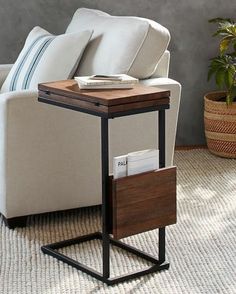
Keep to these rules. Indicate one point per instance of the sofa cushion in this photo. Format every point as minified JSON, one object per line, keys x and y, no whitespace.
{"x":45,"y":58}
{"x":128,"y":45}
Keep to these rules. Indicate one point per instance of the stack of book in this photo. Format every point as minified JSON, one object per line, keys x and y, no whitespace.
{"x":121,"y":81}
{"x":135,"y":162}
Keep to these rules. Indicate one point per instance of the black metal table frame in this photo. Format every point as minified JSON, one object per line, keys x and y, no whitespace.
{"x":158,"y":264}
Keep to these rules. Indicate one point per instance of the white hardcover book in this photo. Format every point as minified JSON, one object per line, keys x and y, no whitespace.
{"x":142,"y":161}
{"x":120,"y":166}
{"x":122,"y":81}
{"x":94,"y":87}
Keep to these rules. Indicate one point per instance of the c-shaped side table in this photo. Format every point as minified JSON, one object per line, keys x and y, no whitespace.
{"x":109,"y":104}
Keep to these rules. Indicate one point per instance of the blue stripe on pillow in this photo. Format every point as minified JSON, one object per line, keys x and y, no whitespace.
{"x":15,"y":77}
{"x":35,"y":60}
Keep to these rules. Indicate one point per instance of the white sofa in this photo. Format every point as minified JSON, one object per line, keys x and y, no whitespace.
{"x":50,"y":157}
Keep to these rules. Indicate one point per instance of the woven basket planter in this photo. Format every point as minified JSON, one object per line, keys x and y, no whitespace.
{"x":220,"y":125}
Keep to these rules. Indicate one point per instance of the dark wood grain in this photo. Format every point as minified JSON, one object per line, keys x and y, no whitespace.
{"x":109,"y":97}
{"x":100,"y":108}
{"x":104,"y":103}
{"x":143,"y":202}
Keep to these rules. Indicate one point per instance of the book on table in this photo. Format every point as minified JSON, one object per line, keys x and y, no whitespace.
{"x":121,"y":81}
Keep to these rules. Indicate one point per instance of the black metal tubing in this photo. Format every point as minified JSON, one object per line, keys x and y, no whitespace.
{"x":162,"y":160}
{"x":158,"y":264}
{"x":52,"y":250}
{"x":162,"y":245}
{"x":48,"y":250}
{"x":135,"y":251}
{"x":161,"y":135}
{"x":105,"y":200}
{"x":74,"y":241}
{"x":138,"y":111}
{"x":137,"y":274}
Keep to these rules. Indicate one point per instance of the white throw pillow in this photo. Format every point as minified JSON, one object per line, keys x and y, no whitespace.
{"x":120,"y":44}
{"x":46,"y":58}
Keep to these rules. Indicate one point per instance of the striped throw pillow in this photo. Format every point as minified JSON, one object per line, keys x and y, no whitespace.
{"x":46,"y":58}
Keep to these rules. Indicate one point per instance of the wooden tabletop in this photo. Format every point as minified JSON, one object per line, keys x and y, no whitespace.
{"x":107,"y":102}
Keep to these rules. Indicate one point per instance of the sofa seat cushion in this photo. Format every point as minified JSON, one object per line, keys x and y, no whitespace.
{"x":128,"y":45}
{"x":46,"y":58}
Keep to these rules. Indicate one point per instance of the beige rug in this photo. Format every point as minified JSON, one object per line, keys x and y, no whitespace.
{"x":201,"y":247}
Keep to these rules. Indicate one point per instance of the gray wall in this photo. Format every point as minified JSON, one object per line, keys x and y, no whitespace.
{"x":191,"y":45}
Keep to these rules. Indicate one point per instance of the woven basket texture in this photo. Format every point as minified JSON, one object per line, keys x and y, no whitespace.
{"x":220,"y":125}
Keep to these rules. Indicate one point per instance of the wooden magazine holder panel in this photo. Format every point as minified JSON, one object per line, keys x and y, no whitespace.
{"x":143,"y":202}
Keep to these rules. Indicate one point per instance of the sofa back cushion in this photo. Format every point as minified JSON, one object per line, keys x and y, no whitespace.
{"x":128,"y":45}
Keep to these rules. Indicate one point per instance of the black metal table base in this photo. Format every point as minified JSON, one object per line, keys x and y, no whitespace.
{"x":51,"y":249}
{"x":158,"y":264}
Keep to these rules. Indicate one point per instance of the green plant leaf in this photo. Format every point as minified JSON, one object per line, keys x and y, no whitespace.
{"x":228,"y":99}
{"x":229,"y":78}
{"x":220,"y":32}
{"x":224,"y":44}
{"x":231,"y":29}
{"x":234,"y":91}
{"x":231,"y":95}
{"x":220,"y":78}
{"x":210,"y":73}
{"x":223,"y":67}
{"x":220,"y":19}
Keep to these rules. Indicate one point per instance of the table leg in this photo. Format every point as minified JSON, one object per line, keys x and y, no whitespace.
{"x":161,"y":133}
{"x":105,"y":200}
{"x":162,"y":154}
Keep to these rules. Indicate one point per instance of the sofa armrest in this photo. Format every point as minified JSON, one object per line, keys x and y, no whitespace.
{"x":42,"y":153}
{"x":172,"y":113}
{"x":4,"y":71}
{"x":6,"y":100}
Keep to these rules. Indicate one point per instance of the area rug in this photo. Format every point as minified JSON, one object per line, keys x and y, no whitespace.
{"x":201,"y":247}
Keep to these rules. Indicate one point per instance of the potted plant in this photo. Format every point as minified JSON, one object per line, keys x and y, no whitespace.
{"x":220,"y":107}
